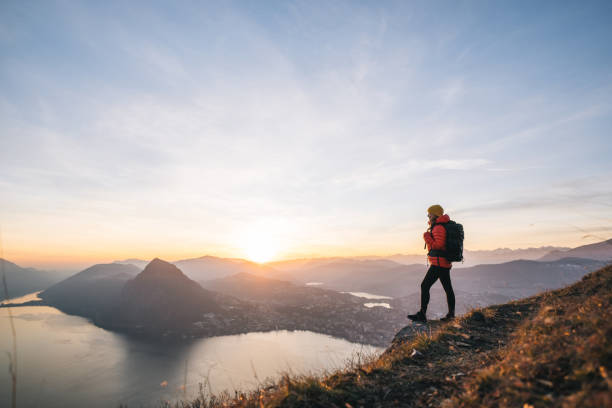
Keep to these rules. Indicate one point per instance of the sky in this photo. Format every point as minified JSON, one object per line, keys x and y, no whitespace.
{"x":276,"y":130}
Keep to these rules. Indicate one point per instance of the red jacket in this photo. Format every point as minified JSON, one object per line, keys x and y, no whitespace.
{"x":436,"y":239}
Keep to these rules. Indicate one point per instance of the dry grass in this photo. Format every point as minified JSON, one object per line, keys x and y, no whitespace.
{"x":561,"y":357}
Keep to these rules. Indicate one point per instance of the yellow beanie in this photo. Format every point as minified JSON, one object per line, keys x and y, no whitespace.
{"x":436,"y":210}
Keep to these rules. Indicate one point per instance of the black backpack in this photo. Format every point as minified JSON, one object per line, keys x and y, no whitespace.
{"x":454,"y":242}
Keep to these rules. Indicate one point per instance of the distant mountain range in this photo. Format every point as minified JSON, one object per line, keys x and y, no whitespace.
{"x":512,"y":279}
{"x":124,"y":297}
{"x":307,"y":269}
{"x":162,"y":302}
{"x":208,"y":267}
{"x":255,"y":288}
{"x":141,"y":263}
{"x":343,"y":273}
{"x":21,"y":281}
{"x":601,"y":251}
{"x":210,"y":296}
{"x":522,"y":278}
{"x":472,"y":258}
{"x":502,"y":255}
{"x":91,"y":292}
{"x":274,"y":292}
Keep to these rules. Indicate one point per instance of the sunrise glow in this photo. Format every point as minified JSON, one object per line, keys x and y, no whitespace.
{"x":261,"y":252}
{"x":270,"y":130}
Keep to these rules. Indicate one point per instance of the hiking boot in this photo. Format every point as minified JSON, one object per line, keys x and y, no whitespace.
{"x":449,"y":316}
{"x":418,"y":317}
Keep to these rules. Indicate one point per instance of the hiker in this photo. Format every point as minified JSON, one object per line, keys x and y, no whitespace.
{"x":435,"y":242}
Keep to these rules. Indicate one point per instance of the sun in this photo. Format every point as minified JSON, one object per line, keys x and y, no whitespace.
{"x":262,"y":240}
{"x":261,"y":250}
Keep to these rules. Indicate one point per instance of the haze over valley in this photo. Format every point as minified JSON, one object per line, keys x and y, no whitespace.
{"x":211,"y":296}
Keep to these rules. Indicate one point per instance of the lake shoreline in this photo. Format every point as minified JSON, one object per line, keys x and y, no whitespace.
{"x":166,"y":336}
{"x":66,"y":359}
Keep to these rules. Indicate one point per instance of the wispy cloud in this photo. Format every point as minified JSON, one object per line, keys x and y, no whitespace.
{"x":567,"y":199}
{"x":341,"y":120}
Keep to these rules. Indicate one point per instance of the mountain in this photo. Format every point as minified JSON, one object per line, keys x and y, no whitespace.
{"x":163,"y":303}
{"x":404,"y":259}
{"x":162,"y":297}
{"x":503,"y":255}
{"x":141,"y":263}
{"x":210,"y":267}
{"x":601,"y":251}
{"x":552,"y":349}
{"x":511,"y":279}
{"x":292,"y":265}
{"x":479,"y":285}
{"x":471,"y":258}
{"x":91,"y":292}
{"x":332,"y":271}
{"x":157,"y":301}
{"x":299,"y":269}
{"x":247,"y":286}
{"x":21,"y":281}
{"x":305,"y":270}
{"x":484,"y":285}
{"x":523,"y":278}
{"x":255,"y":288}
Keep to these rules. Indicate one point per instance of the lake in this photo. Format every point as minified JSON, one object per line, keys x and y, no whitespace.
{"x":373,"y":304}
{"x":368,"y":295}
{"x":66,"y":361}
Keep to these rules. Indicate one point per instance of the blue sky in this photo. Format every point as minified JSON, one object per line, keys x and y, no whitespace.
{"x":300,"y":128}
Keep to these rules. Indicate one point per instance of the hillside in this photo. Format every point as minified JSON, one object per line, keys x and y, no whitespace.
{"x":21,"y":281}
{"x":476,"y":257}
{"x":161,"y":302}
{"x":162,"y":297}
{"x":514,"y":279}
{"x":210,"y":267}
{"x":551,"y":349}
{"x":206,"y":268}
{"x":91,"y":292}
{"x":255,"y":288}
{"x":601,"y":251}
{"x":338,"y":272}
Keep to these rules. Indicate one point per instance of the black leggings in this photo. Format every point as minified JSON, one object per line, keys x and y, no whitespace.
{"x":432,"y":276}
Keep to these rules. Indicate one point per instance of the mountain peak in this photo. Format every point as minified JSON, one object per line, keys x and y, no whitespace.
{"x":162,"y":297}
{"x":160,"y":268}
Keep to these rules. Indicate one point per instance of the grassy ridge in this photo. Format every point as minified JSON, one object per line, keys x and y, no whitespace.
{"x":552,"y":349}
{"x":562,"y":356}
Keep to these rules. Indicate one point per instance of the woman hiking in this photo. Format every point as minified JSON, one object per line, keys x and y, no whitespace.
{"x":435,"y":241}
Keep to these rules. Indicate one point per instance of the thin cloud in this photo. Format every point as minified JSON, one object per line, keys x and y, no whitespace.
{"x":560,"y":197}
{"x":456,"y":164}
{"x":343,"y":119}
